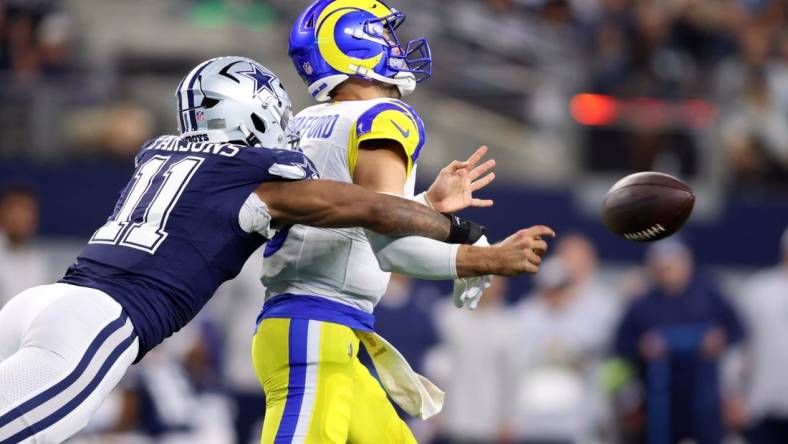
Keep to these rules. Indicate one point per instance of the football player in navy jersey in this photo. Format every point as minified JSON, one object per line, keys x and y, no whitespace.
{"x":196,"y":207}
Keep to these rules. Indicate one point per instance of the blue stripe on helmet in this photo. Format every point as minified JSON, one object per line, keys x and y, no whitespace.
{"x":190,"y":95}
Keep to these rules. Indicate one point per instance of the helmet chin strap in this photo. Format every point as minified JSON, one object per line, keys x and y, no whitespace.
{"x":404,"y":81}
{"x":249,"y":137}
{"x":407,"y":85}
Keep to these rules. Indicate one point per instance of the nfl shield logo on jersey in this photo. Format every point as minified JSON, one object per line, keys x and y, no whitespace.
{"x":200,"y":115}
{"x":308,"y":68}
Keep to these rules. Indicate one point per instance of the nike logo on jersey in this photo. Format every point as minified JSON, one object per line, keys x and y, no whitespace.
{"x":404,"y":133}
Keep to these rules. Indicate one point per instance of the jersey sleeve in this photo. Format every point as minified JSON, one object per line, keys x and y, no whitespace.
{"x":292,"y":165}
{"x":267,"y":164}
{"x":389,"y":120}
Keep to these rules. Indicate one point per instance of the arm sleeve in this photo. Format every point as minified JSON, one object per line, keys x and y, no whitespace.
{"x":417,"y":257}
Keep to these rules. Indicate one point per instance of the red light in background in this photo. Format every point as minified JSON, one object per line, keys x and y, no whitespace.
{"x":642,"y":112}
{"x":593,"y":109}
{"x":701,"y":113}
{"x":649,"y":113}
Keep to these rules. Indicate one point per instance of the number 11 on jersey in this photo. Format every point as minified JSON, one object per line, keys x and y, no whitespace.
{"x":146,"y":230}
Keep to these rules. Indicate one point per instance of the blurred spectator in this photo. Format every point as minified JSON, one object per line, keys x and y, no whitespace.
{"x":21,"y":265}
{"x":756,"y":135}
{"x":54,"y":38}
{"x":117,"y":129}
{"x":579,"y":256}
{"x":609,"y":68}
{"x":675,"y":335}
{"x":34,"y":39}
{"x":556,"y":348}
{"x":469,"y":364}
{"x":754,"y":128}
{"x":763,"y":305}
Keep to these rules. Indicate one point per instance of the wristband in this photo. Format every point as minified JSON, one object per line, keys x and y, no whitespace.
{"x":463,"y":231}
{"x":422,"y":199}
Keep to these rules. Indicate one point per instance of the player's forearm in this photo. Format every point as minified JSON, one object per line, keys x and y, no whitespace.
{"x":397,"y":217}
{"x":427,"y":259}
{"x":477,"y":261}
{"x":329,"y":204}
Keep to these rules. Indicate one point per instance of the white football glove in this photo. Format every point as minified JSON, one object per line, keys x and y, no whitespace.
{"x":468,"y":291}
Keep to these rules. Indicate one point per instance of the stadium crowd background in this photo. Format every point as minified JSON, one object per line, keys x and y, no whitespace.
{"x":611,"y":342}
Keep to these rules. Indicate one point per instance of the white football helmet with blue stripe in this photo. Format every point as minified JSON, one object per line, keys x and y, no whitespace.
{"x":234,"y":99}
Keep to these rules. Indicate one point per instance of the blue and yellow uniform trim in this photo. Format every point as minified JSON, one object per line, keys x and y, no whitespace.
{"x":317,"y":391}
{"x":389,"y":120}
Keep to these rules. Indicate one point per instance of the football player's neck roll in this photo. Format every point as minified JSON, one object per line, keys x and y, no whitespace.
{"x":361,"y":89}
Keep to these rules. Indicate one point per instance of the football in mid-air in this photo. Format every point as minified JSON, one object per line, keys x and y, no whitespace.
{"x":647,"y":206}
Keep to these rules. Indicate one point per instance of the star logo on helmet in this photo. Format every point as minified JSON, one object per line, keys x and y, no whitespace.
{"x":262,"y":80}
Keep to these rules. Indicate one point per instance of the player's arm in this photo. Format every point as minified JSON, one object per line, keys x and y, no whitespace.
{"x":382,"y":167}
{"x":330,"y":204}
{"x":428,"y":259}
{"x":384,"y":145}
{"x":324,"y":203}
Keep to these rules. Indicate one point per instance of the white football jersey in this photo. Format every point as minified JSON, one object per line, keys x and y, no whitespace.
{"x":339,"y":264}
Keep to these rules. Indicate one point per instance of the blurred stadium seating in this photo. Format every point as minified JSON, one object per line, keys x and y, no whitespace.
{"x":568,"y":94}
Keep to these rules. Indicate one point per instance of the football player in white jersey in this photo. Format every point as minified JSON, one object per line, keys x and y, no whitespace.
{"x":322,"y":284}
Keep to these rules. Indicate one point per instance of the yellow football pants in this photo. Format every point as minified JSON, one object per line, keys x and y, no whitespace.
{"x":317,"y":391}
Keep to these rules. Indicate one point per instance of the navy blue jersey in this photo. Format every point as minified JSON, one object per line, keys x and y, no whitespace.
{"x":174,"y":236}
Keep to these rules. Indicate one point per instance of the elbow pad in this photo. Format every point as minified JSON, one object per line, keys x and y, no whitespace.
{"x":417,"y":257}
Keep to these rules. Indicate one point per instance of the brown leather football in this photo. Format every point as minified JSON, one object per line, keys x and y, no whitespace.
{"x":647,"y":206}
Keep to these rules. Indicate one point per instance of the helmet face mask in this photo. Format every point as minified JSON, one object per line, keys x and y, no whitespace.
{"x":235,"y":99}
{"x":334,"y":40}
{"x":415,"y":58}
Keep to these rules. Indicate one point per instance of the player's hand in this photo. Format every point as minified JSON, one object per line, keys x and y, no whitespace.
{"x":713,"y":343}
{"x":652,"y":345}
{"x":735,"y":412}
{"x":522,"y":252}
{"x":453,"y":188}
